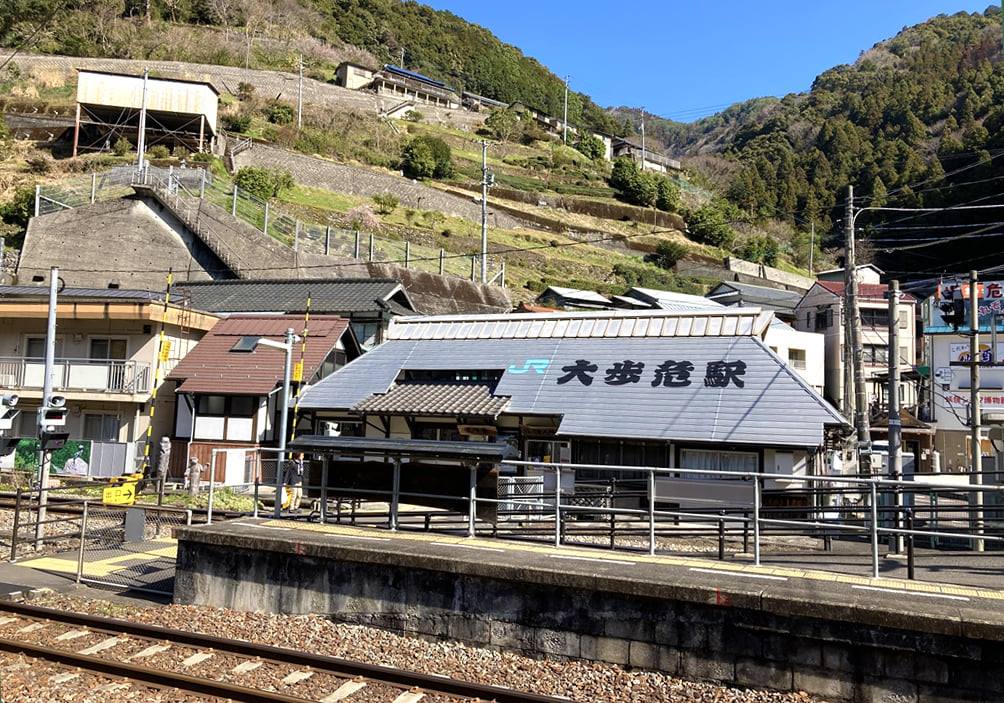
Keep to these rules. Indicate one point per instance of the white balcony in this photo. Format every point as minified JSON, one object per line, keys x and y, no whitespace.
{"x":80,"y":375}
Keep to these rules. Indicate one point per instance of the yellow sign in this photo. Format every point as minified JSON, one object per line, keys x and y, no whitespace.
{"x":298,"y":372}
{"x":165,"y":350}
{"x":122,"y":490}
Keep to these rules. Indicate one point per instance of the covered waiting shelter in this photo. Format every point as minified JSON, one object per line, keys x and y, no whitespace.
{"x":420,"y":471}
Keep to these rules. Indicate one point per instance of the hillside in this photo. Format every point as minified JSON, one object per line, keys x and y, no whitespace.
{"x":263,"y":34}
{"x":917,"y":120}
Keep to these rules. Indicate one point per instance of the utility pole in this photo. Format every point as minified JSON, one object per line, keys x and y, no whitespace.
{"x":974,"y":405}
{"x":484,"y":211}
{"x":812,"y":244}
{"x":141,"y":138}
{"x":895,"y":423}
{"x":855,"y":351}
{"x":44,"y":456}
{"x":564,"y":120}
{"x":643,"y":139}
{"x":299,"y":97}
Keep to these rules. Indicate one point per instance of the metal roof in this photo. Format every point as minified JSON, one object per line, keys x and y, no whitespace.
{"x":397,"y":70}
{"x":102,"y":293}
{"x":589,"y":296}
{"x":764,"y":296}
{"x":465,"y":399}
{"x":607,"y":323}
{"x":673,"y":301}
{"x":477,"y":451}
{"x":774,"y":406}
{"x":332,"y":296}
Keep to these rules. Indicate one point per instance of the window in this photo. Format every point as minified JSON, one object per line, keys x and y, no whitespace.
{"x":34,"y":347}
{"x":875,"y":354}
{"x":242,"y":406}
{"x":212,"y":405}
{"x":904,"y":320}
{"x":105,"y":348}
{"x":101,"y":428}
{"x":442,"y":433}
{"x":875,"y":317}
{"x":715,"y":460}
{"x":796,"y":357}
{"x":453,"y":375}
{"x":824,"y":319}
{"x":367,"y":333}
{"x":232,"y":405}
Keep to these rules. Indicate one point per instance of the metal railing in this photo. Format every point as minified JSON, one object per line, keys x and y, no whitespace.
{"x":638,"y":508}
{"x":184,"y":188}
{"x":92,"y":375}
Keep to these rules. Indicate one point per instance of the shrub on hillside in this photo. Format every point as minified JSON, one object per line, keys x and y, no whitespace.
{"x":759,"y":248}
{"x":427,"y":157}
{"x":590,"y":146}
{"x":21,"y":207}
{"x":263,"y":182}
{"x":414,"y":116}
{"x":667,"y":196}
{"x":159,"y":151}
{"x":121,"y":147}
{"x":245,"y":91}
{"x":709,"y":225}
{"x":386,"y":203}
{"x":667,"y":254}
{"x":239,"y":122}
{"x":362,"y":217}
{"x":279,"y":113}
{"x":39,"y":164}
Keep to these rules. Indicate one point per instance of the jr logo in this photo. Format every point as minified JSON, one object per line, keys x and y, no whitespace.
{"x":535,"y":365}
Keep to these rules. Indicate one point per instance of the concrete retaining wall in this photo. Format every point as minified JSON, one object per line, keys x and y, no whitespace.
{"x":735,"y":639}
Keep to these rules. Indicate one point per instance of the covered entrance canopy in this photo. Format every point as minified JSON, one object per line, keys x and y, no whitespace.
{"x":460,"y":452}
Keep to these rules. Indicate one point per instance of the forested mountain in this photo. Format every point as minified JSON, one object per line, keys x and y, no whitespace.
{"x":913,"y":122}
{"x":264,"y":32}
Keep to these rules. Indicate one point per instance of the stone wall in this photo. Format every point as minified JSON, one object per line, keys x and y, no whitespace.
{"x":736,"y":639}
{"x":357,"y":180}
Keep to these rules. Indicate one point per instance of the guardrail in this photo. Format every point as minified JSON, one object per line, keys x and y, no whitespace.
{"x":632,"y":507}
{"x":86,"y":375}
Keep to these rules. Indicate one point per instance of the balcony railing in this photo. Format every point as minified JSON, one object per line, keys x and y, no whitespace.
{"x":86,"y":375}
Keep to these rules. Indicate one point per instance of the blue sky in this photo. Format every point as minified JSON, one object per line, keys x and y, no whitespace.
{"x":683,"y":59}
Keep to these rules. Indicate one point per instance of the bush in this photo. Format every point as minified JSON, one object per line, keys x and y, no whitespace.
{"x":708,"y":225}
{"x":632,"y":184}
{"x":202,"y":157}
{"x":39,"y":164}
{"x":245,"y":91}
{"x":21,"y":207}
{"x":414,"y":116}
{"x":590,"y":146}
{"x":159,"y":151}
{"x":121,"y":147}
{"x":427,"y":157}
{"x":760,"y":248}
{"x":386,"y":203}
{"x":180,"y":152}
{"x":279,"y":113}
{"x":667,"y":196}
{"x":263,"y":182}
{"x":239,"y":122}
{"x":667,"y":254}
{"x":362,"y":217}
{"x":502,"y":124}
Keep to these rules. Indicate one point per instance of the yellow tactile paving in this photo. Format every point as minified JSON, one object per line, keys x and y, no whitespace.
{"x":597,"y":555}
{"x":159,"y":549}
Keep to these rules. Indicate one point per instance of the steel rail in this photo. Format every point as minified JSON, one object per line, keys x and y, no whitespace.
{"x":386,"y":675}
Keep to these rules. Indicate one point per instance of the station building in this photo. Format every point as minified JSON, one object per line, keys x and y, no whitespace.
{"x":695,"y":390}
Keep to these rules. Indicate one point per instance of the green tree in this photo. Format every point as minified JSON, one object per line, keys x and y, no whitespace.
{"x":667,"y":195}
{"x":386,"y":203}
{"x":667,"y":253}
{"x":263,"y":182}
{"x":279,"y":113}
{"x":708,"y":225}
{"x":426,"y":156}
{"x":503,"y":124}
{"x":879,"y":194}
{"x":590,"y":146}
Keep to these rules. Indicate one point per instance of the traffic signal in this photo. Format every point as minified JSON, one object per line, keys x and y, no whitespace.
{"x":7,"y":412}
{"x":52,"y":417}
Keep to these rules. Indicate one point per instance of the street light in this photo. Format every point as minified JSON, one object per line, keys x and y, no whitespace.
{"x":287,"y":347}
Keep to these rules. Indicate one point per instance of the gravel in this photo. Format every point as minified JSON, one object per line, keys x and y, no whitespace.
{"x":576,"y":680}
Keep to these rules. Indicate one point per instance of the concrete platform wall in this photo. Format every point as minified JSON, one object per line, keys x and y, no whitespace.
{"x":729,"y":639}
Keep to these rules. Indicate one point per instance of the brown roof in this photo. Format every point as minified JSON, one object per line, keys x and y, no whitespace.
{"x":213,"y":367}
{"x":435,"y":399}
{"x":867,"y":291}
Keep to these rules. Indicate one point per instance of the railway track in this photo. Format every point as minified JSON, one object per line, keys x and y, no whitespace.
{"x":214,"y":667}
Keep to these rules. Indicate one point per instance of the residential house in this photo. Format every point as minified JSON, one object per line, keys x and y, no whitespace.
{"x":354,"y":75}
{"x":396,"y":82}
{"x":229,"y":389}
{"x":821,"y":310}
{"x":367,"y":303}
{"x":106,"y":362}
{"x":697,"y":390}
{"x":573,"y":299}
{"x":746,"y":295}
{"x":648,"y":159}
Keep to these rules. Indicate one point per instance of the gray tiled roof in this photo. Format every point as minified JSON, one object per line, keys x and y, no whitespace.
{"x":329,"y":296}
{"x":774,"y":406}
{"x":470,"y":399}
{"x":772,"y":298}
{"x":108,"y":293}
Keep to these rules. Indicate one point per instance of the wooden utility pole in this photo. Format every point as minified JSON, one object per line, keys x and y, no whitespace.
{"x":976,"y":448}
{"x":854,"y":353}
{"x":895,"y":423}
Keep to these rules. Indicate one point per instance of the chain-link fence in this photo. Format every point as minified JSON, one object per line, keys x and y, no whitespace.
{"x":185,"y":186}
{"x":129,"y":547}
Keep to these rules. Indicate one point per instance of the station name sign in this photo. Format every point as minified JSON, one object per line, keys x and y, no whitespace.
{"x":670,"y":373}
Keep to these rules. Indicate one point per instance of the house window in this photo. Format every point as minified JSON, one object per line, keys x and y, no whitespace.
{"x":242,"y":406}
{"x":105,"y":348}
{"x":796,"y":357}
{"x":100,"y":427}
{"x":875,"y":354}
{"x":34,"y":347}
{"x":212,"y":405}
{"x":223,"y":405}
{"x":875,"y":317}
{"x":716,"y":460}
{"x":366,"y":333}
{"x":824,"y":319}
{"x":442,"y":433}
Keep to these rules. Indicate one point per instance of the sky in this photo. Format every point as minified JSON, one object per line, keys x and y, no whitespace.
{"x":683,"y":59}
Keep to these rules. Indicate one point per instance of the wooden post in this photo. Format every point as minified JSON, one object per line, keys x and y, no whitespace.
{"x":76,"y":131}
{"x":202,"y":131}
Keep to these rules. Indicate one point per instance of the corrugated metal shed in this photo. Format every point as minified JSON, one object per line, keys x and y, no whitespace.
{"x":120,"y":90}
{"x":772,"y":407}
